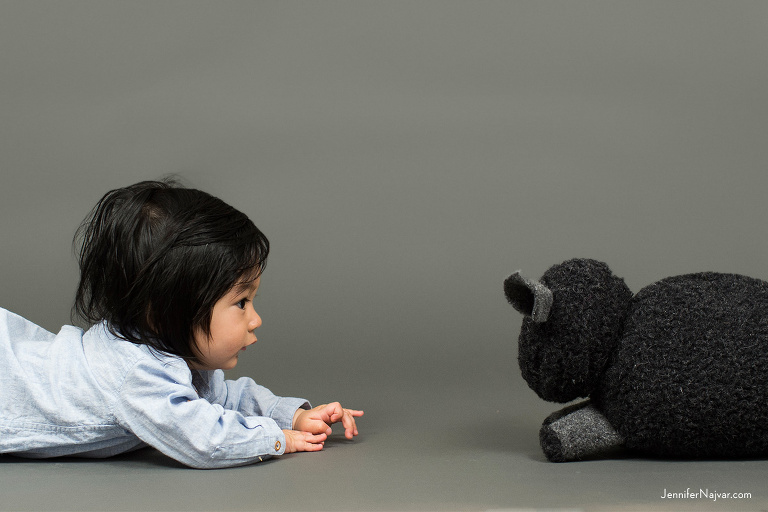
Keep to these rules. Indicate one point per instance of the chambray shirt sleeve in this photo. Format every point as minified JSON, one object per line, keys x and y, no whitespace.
{"x":251,"y":399}
{"x":158,"y":403}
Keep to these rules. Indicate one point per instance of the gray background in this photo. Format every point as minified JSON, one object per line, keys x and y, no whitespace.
{"x":403,"y":158}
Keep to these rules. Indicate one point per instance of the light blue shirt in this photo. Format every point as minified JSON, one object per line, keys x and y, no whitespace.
{"x":91,"y":394}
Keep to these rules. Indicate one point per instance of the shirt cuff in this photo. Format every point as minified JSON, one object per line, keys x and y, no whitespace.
{"x":274,"y":439}
{"x":285,"y":409}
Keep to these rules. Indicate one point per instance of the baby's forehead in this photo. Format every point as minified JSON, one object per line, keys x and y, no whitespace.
{"x":247,"y":283}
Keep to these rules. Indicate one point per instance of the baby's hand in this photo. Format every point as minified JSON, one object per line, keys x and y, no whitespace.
{"x":296,"y":441}
{"x":320,"y":419}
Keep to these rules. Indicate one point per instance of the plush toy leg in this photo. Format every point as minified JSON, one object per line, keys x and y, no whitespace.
{"x":577,"y":432}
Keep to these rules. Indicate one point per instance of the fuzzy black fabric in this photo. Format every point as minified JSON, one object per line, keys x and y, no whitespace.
{"x":563,"y":358}
{"x":690,"y":374}
{"x":679,"y":370}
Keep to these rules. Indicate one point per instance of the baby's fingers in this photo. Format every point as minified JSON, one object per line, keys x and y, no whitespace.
{"x":296,"y":441}
{"x":313,"y":442}
{"x":337,"y":413}
{"x":348,"y":422}
{"x":333,"y":412}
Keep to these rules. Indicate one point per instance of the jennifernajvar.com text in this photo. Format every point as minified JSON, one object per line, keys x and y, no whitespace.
{"x":705,"y":494}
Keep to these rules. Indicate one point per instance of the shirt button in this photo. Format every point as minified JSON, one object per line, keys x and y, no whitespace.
{"x":278,"y":446}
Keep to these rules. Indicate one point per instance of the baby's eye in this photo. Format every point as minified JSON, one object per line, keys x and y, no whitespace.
{"x":241,"y":303}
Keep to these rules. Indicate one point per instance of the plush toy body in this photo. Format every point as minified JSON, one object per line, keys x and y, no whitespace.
{"x":678,"y":370}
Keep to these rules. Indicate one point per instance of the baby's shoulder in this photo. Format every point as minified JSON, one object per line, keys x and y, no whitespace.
{"x":112,"y":355}
{"x":16,"y":327}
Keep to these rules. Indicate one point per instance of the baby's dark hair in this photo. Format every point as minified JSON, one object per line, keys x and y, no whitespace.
{"x":154,"y":259}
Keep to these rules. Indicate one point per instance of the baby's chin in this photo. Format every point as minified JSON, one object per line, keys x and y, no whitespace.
{"x":230,"y":364}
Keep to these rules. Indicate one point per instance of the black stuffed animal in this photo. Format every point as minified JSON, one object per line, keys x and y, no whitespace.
{"x":678,"y":370}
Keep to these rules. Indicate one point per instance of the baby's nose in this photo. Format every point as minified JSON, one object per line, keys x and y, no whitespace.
{"x":255,"y":321}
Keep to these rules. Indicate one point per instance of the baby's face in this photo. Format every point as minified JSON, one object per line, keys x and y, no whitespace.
{"x":233,"y":323}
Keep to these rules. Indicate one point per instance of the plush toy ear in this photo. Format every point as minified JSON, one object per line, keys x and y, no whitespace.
{"x":530,"y":298}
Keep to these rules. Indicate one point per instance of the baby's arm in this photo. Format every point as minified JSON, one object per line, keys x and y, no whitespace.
{"x":249,"y":398}
{"x":158,"y":404}
{"x":305,"y":429}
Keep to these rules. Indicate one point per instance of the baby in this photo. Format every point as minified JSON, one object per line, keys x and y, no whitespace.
{"x":167,"y":280}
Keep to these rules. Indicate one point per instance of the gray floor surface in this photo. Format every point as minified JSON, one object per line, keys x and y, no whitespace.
{"x":464,"y":449}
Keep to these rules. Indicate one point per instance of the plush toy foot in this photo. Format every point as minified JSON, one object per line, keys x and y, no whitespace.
{"x":577,"y":432}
